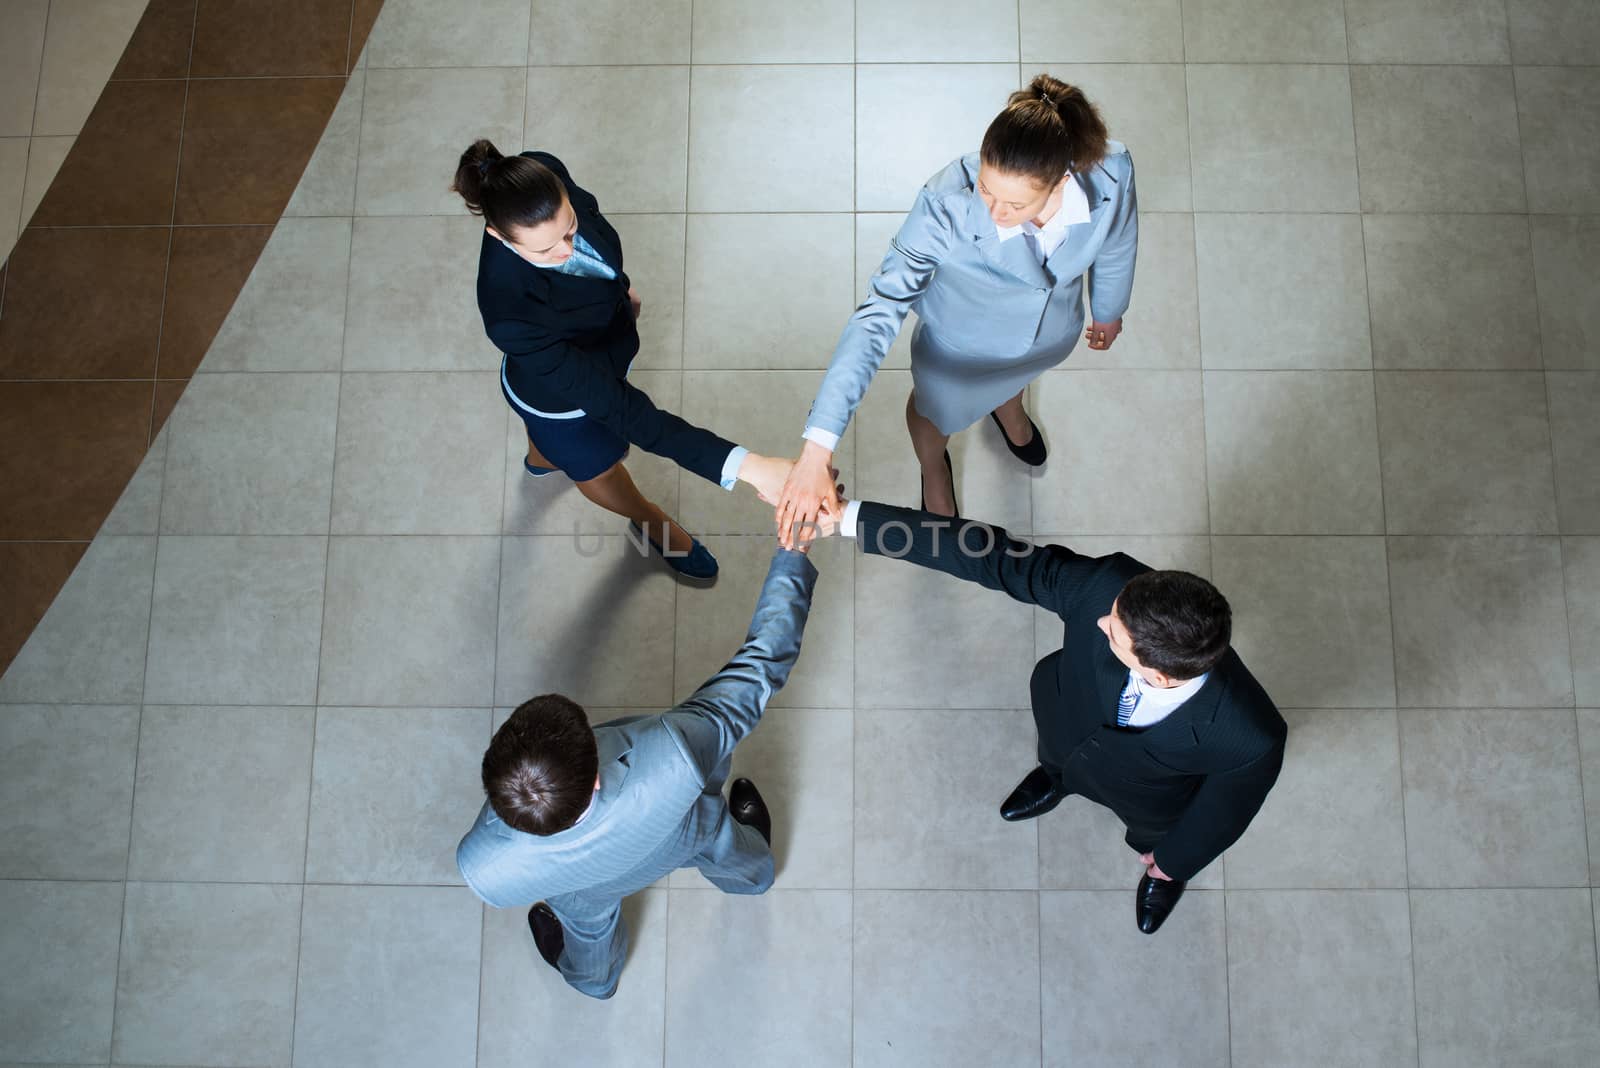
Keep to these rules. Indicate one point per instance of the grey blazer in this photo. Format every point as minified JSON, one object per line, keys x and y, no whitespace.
{"x":995,"y":317}
{"x":660,"y":802}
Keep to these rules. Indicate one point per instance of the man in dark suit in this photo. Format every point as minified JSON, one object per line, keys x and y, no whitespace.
{"x":1145,"y":709}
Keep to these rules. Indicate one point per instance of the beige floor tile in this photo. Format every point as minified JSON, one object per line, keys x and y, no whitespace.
{"x":772,"y":31}
{"x":82,"y":44}
{"x":1263,"y":31}
{"x":22,"y":30}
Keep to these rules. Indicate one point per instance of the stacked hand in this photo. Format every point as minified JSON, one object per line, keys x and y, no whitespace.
{"x":810,"y":499}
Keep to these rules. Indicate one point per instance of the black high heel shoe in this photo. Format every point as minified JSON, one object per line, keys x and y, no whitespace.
{"x":952,"y":471}
{"x":1033,"y":453}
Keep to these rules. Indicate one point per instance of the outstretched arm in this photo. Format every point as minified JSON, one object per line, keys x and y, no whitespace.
{"x":1051,"y":576}
{"x":730,"y":704}
{"x":908,"y":266}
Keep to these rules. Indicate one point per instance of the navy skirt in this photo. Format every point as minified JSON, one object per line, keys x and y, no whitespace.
{"x":581,"y":447}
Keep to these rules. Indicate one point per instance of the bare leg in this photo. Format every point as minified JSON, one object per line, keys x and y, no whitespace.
{"x":536,"y":458}
{"x":1014,"y":418}
{"x":929,"y":444}
{"x":615,"y":492}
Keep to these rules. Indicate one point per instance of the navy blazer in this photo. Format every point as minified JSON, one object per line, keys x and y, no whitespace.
{"x":568,"y":340}
{"x":1197,"y":777}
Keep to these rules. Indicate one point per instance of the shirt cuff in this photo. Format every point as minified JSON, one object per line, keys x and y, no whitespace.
{"x":826,"y":438}
{"x":847,"y":525}
{"x":730,"y":466}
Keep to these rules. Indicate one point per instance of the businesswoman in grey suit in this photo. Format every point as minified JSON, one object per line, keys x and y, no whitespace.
{"x":556,"y":302}
{"x":991,"y":258}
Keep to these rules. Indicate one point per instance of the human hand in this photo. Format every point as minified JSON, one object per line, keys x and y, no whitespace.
{"x":809,"y":489}
{"x":766,"y":473}
{"x":634,"y":302}
{"x":1101,"y":335}
{"x":1151,"y":868}
{"x":830,"y":520}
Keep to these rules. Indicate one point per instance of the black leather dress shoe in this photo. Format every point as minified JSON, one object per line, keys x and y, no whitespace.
{"x":1033,"y":453}
{"x":1154,"y":899}
{"x":1035,"y":795}
{"x":952,"y":471}
{"x":547,"y":934}
{"x":744,"y":801}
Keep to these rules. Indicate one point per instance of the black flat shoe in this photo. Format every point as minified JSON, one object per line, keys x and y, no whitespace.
{"x":747,"y":807}
{"x":952,"y":471}
{"x":547,"y":934}
{"x":1035,"y":795}
{"x":1033,"y":453}
{"x":1154,"y":899}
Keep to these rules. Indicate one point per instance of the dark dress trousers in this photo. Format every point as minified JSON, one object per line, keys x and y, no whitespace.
{"x":1187,"y":786}
{"x":569,"y":340}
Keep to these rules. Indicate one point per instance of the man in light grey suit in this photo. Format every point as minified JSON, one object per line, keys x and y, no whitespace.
{"x":579,"y":818}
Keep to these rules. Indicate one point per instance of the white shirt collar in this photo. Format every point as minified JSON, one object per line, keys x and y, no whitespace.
{"x":1172,"y":696}
{"x":1074,"y":209}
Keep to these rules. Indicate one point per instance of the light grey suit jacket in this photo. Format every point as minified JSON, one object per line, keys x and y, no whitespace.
{"x":978,"y":294}
{"x":660,"y":800}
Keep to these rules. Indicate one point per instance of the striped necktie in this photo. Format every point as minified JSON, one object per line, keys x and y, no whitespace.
{"x":1128,"y":702}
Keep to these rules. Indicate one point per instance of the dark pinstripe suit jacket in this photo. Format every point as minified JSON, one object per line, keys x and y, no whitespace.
{"x":1187,"y":786}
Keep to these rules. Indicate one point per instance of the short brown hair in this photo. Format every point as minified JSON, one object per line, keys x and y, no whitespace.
{"x":539,"y":770}
{"x":1045,"y":130}
{"x":1179,"y":623}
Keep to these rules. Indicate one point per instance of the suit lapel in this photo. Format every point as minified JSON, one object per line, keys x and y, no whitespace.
{"x":1179,"y":731}
{"x":1014,"y":257}
{"x":603,"y":239}
{"x":1099,"y":202}
{"x":1110,"y":676}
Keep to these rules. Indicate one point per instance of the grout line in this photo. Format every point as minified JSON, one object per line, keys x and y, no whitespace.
{"x":1388,"y":570}
{"x":483,"y":942}
{"x":1144,"y":213}
{"x":305,"y":868}
{"x":322,"y":620}
{"x":683,"y":318}
{"x":155,"y":562}
{"x":708,"y":889}
{"x":349,"y":42}
{"x":1038,"y":63}
{"x":44,"y":41}
{"x":1033,"y":523}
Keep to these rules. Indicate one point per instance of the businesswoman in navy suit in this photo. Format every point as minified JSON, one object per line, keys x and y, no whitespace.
{"x":556,"y":302}
{"x":992,"y":259}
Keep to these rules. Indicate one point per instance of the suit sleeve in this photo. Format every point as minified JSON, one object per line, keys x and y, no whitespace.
{"x":914,"y":254}
{"x":584,"y":381}
{"x":1218,"y":813}
{"x":1111,"y":274}
{"x":1051,"y":576}
{"x":730,"y":704}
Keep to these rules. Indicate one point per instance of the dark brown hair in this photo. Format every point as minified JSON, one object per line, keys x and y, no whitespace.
{"x":508,"y":191}
{"x":540,"y":766}
{"x":1045,"y":130}
{"x":1180,"y":623}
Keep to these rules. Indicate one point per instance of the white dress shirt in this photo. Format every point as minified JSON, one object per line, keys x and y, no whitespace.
{"x":1045,"y":239}
{"x":1156,"y":704}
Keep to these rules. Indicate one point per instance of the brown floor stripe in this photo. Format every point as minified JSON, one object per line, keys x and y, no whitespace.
{"x":117,"y":287}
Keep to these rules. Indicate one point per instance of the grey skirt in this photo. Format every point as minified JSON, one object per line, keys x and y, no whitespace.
{"x":956,"y":389}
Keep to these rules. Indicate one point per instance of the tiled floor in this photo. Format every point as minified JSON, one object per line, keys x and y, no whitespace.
{"x":166,"y":141}
{"x":1359,"y":389}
